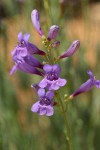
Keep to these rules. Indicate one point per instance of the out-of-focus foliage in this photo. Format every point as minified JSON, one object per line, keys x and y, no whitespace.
{"x":20,"y":129}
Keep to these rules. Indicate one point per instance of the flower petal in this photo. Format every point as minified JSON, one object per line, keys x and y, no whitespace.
{"x":97,"y":83}
{"x":50,"y":111}
{"x":26,"y":37}
{"x":29,"y":69}
{"x":61,"y":82}
{"x":56,"y":68}
{"x":89,"y":72}
{"x":41,"y":92}
{"x":54,"y":86}
{"x":20,"y":36}
{"x":31,"y":60}
{"x":47,"y":68}
{"x":13,"y":70}
{"x":35,"y":107}
{"x":42,"y":111}
{"x":50,"y":94}
{"x":33,"y":49}
{"x":43,"y":83}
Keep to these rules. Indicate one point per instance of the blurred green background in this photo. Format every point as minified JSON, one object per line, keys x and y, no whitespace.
{"x":20,"y":129}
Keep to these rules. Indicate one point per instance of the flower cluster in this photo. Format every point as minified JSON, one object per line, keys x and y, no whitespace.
{"x":24,"y":57}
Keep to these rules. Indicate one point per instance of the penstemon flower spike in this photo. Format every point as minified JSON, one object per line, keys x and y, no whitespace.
{"x":48,"y":88}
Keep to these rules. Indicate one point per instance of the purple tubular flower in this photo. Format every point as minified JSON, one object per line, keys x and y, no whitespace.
{"x":52,"y":81}
{"x":23,"y":43}
{"x":87,"y":85}
{"x":45,"y":104}
{"x":24,"y":67}
{"x":24,"y":61}
{"x":53,"y":32}
{"x":71,"y":50}
{"x":36,"y":21}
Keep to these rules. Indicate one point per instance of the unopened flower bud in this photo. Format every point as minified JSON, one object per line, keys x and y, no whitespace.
{"x":36,"y":21}
{"x":53,"y":32}
{"x":71,"y":50}
{"x":55,"y":44}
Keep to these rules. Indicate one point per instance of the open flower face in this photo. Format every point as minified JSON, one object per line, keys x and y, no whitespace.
{"x":52,"y":81}
{"x":44,"y":105}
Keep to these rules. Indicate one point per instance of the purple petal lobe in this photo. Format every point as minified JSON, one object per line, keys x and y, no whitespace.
{"x":97,"y":83}
{"x":13,"y":70}
{"x":50,"y":111}
{"x":61,"y":82}
{"x":20,"y":36}
{"x":50,"y":94}
{"x":35,"y":107}
{"x":43,"y":83}
{"x":47,"y":68}
{"x":56,"y":68}
{"x":42,"y":111}
{"x":90,"y":74}
{"x":26,"y":37}
{"x":41,"y":92}
{"x":54,"y":86}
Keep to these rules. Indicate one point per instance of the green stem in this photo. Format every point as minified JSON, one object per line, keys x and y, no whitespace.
{"x":67,"y":133}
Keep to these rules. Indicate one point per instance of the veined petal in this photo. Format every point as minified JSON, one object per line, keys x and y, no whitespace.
{"x":71,"y":50}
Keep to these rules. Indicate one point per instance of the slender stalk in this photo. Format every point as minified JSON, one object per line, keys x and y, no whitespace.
{"x":67,"y":133}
